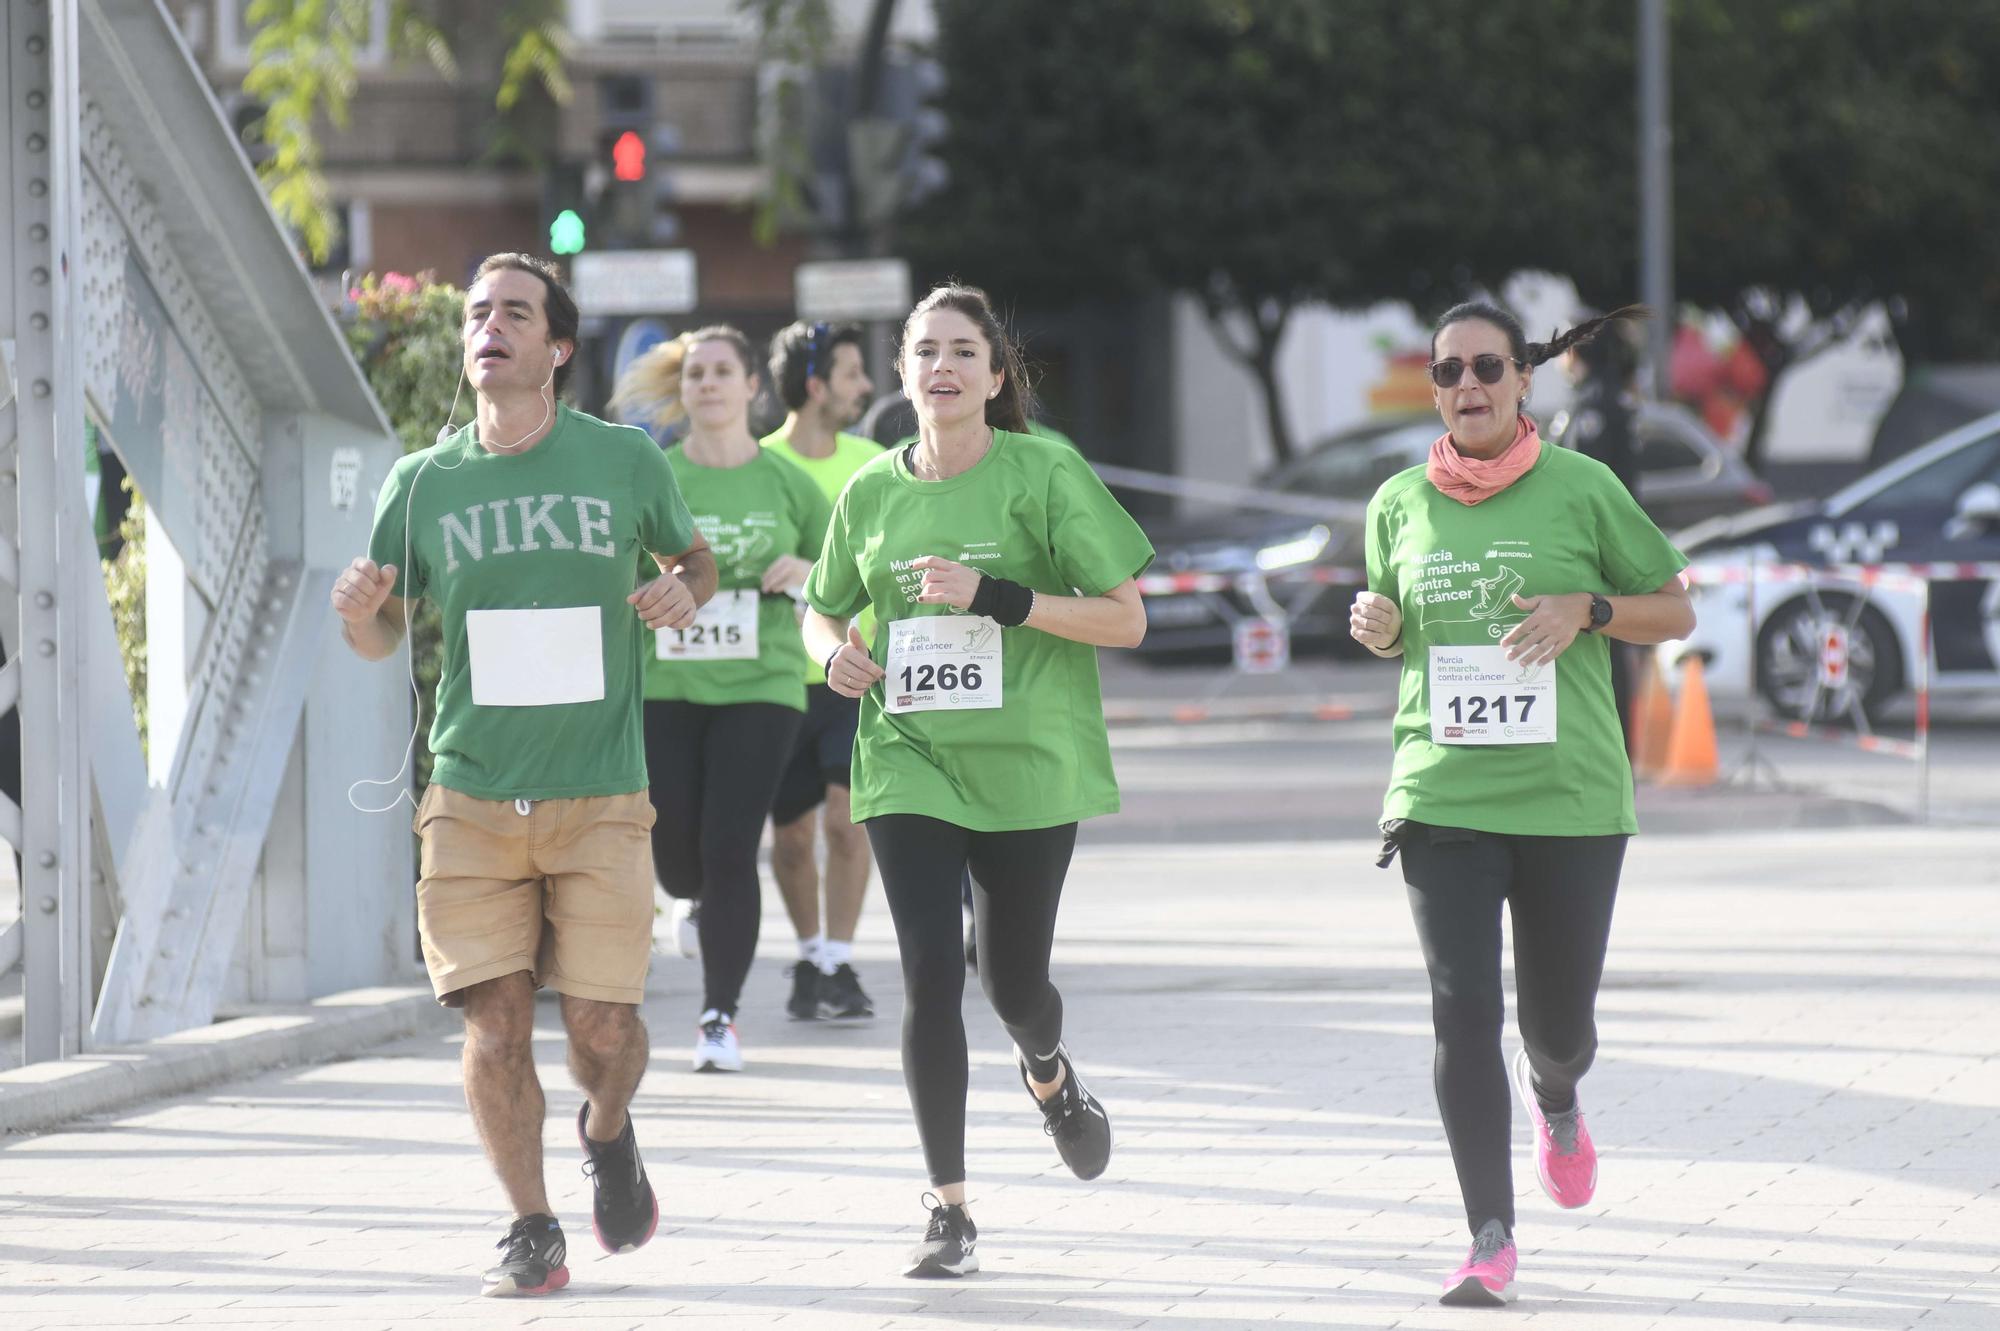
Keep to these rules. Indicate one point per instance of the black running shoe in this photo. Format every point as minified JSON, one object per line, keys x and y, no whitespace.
{"x":947,"y":1247}
{"x":806,"y":986}
{"x":531,"y":1260}
{"x":1081,"y":1128}
{"x":841,"y":995}
{"x":624,"y":1212}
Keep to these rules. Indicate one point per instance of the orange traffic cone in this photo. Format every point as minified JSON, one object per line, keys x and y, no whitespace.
{"x":1691,"y":757}
{"x":1652,"y":720}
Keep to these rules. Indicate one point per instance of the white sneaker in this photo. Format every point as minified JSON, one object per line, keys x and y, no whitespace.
{"x":687,"y":926}
{"x":716,"y":1049}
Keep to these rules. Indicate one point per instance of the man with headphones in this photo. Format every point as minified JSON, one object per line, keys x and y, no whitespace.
{"x":528,"y":527}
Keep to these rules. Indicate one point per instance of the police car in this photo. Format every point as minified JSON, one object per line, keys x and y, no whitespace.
{"x":1841,"y":638}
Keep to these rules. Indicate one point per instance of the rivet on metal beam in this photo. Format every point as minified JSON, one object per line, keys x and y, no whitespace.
{"x":45,"y":600}
{"x":39,"y":321}
{"x":105,"y":931}
{"x":37,"y":44}
{"x":39,"y":232}
{"x":47,"y":859}
{"x":48,"y":905}
{"x":37,"y":143}
{"x":41,"y":388}
{"x":38,"y":188}
{"x":37,"y":99}
{"x":46,"y":647}
{"x":39,"y":276}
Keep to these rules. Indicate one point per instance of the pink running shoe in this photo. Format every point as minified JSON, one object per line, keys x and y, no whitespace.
{"x":1487,"y":1278}
{"x":1565,"y":1160}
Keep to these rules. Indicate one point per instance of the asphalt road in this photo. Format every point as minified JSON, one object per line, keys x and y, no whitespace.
{"x":1263,"y":765}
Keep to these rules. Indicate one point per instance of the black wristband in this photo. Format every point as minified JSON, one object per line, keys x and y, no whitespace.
{"x":826,"y":666}
{"x":1005,"y":603}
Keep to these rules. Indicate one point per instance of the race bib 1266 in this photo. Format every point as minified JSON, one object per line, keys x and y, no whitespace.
{"x":942,"y":662}
{"x":1478,"y":696}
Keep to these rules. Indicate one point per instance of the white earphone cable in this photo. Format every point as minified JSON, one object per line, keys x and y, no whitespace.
{"x":445,"y":432}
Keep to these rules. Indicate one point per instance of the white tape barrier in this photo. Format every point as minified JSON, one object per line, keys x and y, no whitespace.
{"x":1902,"y":577}
{"x":1242,"y":496}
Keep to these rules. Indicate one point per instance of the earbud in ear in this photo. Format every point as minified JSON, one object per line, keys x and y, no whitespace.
{"x":556,"y":354}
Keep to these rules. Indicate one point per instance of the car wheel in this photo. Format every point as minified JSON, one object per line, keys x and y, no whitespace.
{"x":1789,"y":649}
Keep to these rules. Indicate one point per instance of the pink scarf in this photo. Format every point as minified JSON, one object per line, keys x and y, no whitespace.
{"x":1471,"y":480}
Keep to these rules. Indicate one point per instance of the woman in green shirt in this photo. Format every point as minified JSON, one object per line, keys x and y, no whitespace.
{"x":726,"y":695}
{"x":1497,"y":571}
{"x":996,"y":563}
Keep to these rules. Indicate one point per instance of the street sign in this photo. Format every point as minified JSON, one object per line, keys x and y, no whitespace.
{"x":852,"y":289}
{"x":1263,"y":646}
{"x":633,"y":281}
{"x":640,"y":336}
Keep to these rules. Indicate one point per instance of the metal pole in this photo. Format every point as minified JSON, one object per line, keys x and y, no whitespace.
{"x":1924,"y":711}
{"x":1656,"y":200}
{"x":45,"y":120}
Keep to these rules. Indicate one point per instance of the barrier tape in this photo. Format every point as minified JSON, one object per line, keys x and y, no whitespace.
{"x":1242,"y":496}
{"x":1183,"y":584}
{"x":1907,"y":577}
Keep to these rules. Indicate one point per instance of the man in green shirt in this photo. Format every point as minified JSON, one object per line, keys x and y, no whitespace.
{"x":526,"y":527}
{"x":817,"y":370}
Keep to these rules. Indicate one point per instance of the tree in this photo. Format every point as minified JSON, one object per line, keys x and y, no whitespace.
{"x":302,"y":67}
{"x":1255,"y":155}
{"x":1259,"y":154}
{"x":1828,"y":155}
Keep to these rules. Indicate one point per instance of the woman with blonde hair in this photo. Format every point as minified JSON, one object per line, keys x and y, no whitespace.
{"x":726,"y":695}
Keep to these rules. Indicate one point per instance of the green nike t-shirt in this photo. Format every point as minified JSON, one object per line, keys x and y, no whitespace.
{"x":530,"y":557}
{"x":831,"y":473}
{"x":751,"y":515}
{"x":1031,"y":511}
{"x":1565,"y":526}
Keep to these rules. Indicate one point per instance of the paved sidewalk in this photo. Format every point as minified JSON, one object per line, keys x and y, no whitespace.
{"x":1796,"y":1102}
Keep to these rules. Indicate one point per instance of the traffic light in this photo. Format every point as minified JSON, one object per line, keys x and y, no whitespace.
{"x":566,"y":234}
{"x":637,"y":208}
{"x":628,"y":157}
{"x":569,"y":212}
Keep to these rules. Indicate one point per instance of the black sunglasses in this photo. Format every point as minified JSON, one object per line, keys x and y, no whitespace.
{"x":813,"y":338}
{"x":1487,"y":369}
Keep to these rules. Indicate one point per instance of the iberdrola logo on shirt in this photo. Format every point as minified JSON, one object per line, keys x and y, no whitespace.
{"x":1454,"y":590}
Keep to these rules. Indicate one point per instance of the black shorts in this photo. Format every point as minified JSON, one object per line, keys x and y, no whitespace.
{"x":824,"y":755}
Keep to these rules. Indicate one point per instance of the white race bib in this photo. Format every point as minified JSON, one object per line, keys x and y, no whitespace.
{"x":1478,"y":696}
{"x":723,"y":630}
{"x":535,"y":658}
{"x":942,"y":663}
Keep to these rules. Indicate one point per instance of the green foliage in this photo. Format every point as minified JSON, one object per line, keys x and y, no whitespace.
{"x":302,"y":66}
{"x":796,"y":35}
{"x":1258,"y":153}
{"x":125,"y":586}
{"x":404,"y":332}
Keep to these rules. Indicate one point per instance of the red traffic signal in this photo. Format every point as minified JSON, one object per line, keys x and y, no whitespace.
{"x":628,"y":157}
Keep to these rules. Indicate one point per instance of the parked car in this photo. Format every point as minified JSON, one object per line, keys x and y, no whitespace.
{"x":1300,"y":560}
{"x":1938,"y":505}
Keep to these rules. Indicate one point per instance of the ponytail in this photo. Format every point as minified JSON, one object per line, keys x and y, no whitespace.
{"x":1534,"y":353}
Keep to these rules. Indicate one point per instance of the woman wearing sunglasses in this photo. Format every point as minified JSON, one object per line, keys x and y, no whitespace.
{"x":1496,"y":572}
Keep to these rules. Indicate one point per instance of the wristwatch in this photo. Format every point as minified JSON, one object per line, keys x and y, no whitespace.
{"x":1600,"y":613}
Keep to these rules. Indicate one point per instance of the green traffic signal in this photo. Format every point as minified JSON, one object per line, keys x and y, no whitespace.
{"x":566,"y":233}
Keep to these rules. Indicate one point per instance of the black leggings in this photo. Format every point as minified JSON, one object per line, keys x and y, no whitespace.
{"x":1560,"y":891}
{"x":713,"y":773}
{"x":1017,"y":882}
